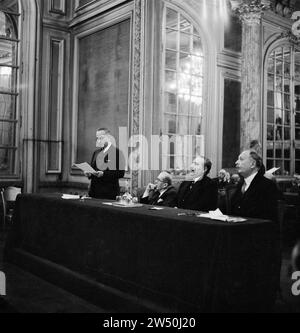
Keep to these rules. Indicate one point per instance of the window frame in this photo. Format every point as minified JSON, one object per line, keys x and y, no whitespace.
{"x":292,"y":142}
{"x":204,"y":78}
{"x":13,"y":169}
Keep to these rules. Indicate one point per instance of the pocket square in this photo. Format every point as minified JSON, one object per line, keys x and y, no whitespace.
{"x":160,"y":200}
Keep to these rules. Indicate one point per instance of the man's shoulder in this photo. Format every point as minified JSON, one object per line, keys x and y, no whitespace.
{"x":265,"y":183}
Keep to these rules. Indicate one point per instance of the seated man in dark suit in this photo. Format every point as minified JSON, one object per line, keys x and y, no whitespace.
{"x":256,"y":196}
{"x":109,"y":164}
{"x":162,"y":193}
{"x":201,"y":193}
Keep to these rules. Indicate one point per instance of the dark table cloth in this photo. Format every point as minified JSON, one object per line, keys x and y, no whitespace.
{"x":182,"y":263}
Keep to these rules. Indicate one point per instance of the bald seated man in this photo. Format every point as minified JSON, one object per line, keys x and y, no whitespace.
{"x":162,"y":193}
{"x":255,"y":196}
{"x":200,"y":192}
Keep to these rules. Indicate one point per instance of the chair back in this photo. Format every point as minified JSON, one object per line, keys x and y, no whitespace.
{"x":11,"y":192}
{"x":3,"y":204}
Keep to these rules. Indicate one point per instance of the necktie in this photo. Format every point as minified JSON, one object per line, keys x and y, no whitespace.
{"x":244,"y":187}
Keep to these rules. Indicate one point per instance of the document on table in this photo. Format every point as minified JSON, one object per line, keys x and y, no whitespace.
{"x":70,"y":196}
{"x":85,"y":167}
{"x":218,"y":215}
{"x":271,"y":171}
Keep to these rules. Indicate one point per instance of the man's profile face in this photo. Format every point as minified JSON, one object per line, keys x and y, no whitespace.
{"x":245,"y":164}
{"x":197,"y":168}
{"x":160,"y":185}
{"x":101,"y":139}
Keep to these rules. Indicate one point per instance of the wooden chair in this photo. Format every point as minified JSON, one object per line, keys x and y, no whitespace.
{"x":7,"y":214}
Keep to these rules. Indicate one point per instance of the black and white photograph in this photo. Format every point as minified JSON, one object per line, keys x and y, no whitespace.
{"x":149,"y":159}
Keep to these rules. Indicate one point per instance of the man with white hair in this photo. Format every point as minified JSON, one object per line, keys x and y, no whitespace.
{"x":162,"y":193}
{"x":256,"y":196}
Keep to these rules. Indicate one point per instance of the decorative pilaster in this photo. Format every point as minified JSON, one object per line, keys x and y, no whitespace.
{"x":250,"y":13}
{"x":137,"y":99}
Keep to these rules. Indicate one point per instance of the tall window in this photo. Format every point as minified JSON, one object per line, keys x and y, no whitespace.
{"x":183,"y":91}
{"x":8,"y":88}
{"x":283,"y":109}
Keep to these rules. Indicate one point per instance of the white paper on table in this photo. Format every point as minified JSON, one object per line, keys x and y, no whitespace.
{"x":85,"y":167}
{"x":70,"y":197}
{"x":271,"y":171}
{"x":218,"y":215}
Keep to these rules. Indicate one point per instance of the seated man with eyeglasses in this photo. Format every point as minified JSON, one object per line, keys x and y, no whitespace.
{"x":162,"y":193}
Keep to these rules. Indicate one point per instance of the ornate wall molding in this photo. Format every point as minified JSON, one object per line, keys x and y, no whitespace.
{"x":250,"y":11}
{"x":137,"y":93}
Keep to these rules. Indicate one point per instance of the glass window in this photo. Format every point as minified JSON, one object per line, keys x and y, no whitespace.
{"x":183,"y":91}
{"x":283,"y":108}
{"x":8,"y":88}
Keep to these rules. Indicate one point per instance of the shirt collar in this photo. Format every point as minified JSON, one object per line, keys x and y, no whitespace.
{"x":249,"y":179}
{"x":198,"y":178}
{"x":107,"y":148}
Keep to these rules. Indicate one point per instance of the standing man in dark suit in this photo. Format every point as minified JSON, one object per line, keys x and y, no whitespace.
{"x":162,"y":193}
{"x":109,"y":164}
{"x":202,"y":192}
{"x":255,"y":196}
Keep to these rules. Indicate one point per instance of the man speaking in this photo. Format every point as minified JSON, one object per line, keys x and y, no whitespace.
{"x":109,"y":164}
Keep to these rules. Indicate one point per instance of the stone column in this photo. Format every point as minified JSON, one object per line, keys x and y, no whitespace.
{"x":250,"y":13}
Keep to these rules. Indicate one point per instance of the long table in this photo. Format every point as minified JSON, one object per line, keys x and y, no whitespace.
{"x":140,"y":260}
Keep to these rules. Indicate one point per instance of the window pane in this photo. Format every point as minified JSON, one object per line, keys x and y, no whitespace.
{"x":197,"y":46}
{"x":8,"y":53}
{"x":297,"y":133}
{"x":7,"y":134}
{"x":7,"y":161}
{"x":7,"y":79}
{"x":287,"y":133}
{"x":7,"y":107}
{"x":287,"y":167}
{"x":270,"y":82}
{"x":270,"y":98}
{"x":7,"y":29}
{"x":270,"y":133}
{"x":196,"y":83}
{"x":197,"y":65}
{"x":287,"y":102}
{"x":183,"y":125}
{"x":185,"y":43}
{"x":270,"y":115}
{"x":171,"y":39}
{"x":297,"y":119}
{"x":170,"y":124}
{"x":170,"y":103}
{"x":171,"y":84}
{"x":270,"y":150}
{"x":297,"y":167}
{"x":184,"y":106}
{"x":185,"y":25}
{"x":171,"y":60}
{"x":196,"y":125}
{"x":172,"y":18}
{"x":185,"y":63}
{"x":287,"y":118}
{"x":297,"y":154}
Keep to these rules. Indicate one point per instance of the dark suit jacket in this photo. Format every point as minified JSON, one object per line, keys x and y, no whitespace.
{"x":167,"y":199}
{"x":112,"y":165}
{"x":259,"y":201}
{"x":202,"y":195}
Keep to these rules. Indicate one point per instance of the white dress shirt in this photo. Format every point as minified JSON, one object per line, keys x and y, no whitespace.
{"x":248,"y":181}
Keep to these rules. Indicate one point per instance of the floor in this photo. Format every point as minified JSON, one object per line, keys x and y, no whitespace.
{"x":27,"y":293}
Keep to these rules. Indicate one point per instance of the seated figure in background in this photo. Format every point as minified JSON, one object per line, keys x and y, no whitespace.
{"x":162,"y":193}
{"x":256,"y":196}
{"x":222,"y":182}
{"x":201,"y":192}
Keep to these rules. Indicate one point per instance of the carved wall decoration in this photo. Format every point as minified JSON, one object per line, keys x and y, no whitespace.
{"x":137,"y":100}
